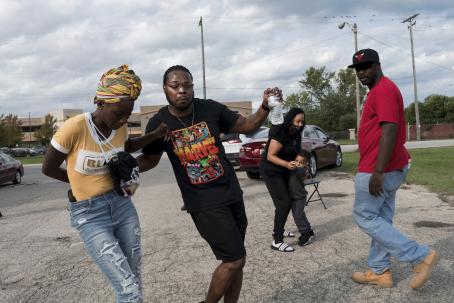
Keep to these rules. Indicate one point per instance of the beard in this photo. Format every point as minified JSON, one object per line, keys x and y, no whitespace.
{"x":180,"y":105}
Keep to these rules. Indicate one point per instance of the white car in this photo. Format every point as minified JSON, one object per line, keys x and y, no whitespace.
{"x":232,"y":143}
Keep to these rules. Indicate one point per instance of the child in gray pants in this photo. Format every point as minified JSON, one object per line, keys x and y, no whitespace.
{"x":298,"y":195}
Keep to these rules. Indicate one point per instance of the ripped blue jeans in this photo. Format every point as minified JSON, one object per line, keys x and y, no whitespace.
{"x":109,"y":227}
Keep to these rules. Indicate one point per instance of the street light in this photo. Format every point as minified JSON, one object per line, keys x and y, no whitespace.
{"x":354,"y":29}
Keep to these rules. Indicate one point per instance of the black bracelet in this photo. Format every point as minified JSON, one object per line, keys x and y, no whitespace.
{"x":266,"y":108}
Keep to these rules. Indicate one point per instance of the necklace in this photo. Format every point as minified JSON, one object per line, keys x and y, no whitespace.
{"x":181,"y":121}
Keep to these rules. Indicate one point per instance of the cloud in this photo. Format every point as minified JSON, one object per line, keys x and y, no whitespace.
{"x":53,"y":52}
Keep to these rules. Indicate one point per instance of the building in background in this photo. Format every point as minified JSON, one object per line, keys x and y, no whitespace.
{"x":63,"y":114}
{"x":137,"y":122}
{"x":134,"y":125}
{"x":29,"y":126}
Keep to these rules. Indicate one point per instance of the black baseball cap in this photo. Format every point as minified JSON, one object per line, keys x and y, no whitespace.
{"x":364,"y":56}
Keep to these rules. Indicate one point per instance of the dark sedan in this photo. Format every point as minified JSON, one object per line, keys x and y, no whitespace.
{"x":11,"y":170}
{"x":324,"y":151}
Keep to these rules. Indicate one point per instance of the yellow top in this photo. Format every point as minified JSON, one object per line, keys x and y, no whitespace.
{"x":87,"y":174}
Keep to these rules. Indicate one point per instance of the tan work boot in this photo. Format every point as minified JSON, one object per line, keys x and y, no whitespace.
{"x":384,"y":280}
{"x":424,"y":269}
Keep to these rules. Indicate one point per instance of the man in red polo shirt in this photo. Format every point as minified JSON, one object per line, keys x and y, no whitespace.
{"x":382,"y":168}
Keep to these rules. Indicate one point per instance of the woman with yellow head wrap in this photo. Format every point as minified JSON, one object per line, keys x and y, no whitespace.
{"x":106,"y":219}
{"x":117,"y":84}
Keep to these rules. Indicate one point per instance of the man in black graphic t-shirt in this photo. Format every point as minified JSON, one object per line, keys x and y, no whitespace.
{"x":209,"y":186}
{"x":202,"y":171}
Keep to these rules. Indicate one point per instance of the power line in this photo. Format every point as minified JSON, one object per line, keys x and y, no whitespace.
{"x":407,"y":52}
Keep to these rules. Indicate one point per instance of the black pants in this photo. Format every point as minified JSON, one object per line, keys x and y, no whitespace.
{"x":278,"y":187}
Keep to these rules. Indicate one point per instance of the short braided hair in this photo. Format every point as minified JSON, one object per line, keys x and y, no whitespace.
{"x":172,"y":69}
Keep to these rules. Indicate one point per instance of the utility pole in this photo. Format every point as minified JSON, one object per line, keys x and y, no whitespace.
{"x":411,"y":23}
{"x":203,"y":59}
{"x":358,"y":98}
{"x":29,"y":130}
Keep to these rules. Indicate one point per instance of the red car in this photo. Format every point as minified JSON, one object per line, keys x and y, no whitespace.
{"x":323,"y":149}
{"x":11,"y":170}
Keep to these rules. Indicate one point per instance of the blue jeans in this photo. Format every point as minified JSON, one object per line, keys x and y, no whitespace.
{"x":110,"y":229}
{"x":374,"y":215}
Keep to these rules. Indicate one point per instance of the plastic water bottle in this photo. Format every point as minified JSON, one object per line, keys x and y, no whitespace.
{"x":276,"y":114}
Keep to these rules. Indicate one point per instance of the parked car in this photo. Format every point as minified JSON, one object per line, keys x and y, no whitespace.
{"x":5,"y":150}
{"x":324,"y":151}
{"x":18,"y":152}
{"x":232,"y":143}
{"x":11,"y":170}
{"x":38,"y":150}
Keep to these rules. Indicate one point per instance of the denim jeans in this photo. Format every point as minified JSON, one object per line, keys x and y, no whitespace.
{"x":109,"y":227}
{"x":374,"y":215}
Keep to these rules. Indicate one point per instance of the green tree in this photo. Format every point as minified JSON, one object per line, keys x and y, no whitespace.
{"x":2,"y":132}
{"x":10,"y":130}
{"x":326,"y":97}
{"x":347,"y":121}
{"x":434,"y":109}
{"x":450,"y":110}
{"x":410,"y":115}
{"x":47,"y":130}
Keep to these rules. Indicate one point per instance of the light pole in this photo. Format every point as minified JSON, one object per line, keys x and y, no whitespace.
{"x":203,"y":59}
{"x":415,"y":90}
{"x":29,"y":130}
{"x":354,"y":29}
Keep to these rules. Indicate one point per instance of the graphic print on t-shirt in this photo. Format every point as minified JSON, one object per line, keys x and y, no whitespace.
{"x":196,"y":149}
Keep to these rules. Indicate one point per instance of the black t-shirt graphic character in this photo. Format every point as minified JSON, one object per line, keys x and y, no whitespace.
{"x":205,"y":176}
{"x":198,"y":153}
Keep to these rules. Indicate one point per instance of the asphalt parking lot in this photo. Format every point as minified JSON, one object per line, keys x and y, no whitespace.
{"x":43,"y":260}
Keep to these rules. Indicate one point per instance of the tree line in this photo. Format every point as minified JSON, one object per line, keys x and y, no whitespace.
{"x":11,"y":132}
{"x":329,"y":100}
{"x":436,"y":109}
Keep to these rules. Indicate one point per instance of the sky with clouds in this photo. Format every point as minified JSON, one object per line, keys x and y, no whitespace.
{"x":53,"y":52}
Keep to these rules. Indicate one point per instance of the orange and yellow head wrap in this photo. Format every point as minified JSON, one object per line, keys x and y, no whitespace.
{"x":117,"y":84}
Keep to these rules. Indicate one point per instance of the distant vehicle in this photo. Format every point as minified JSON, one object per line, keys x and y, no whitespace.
{"x":232,"y":143}
{"x":5,"y":150}
{"x":39,"y":150}
{"x":11,"y":170}
{"x":324,"y":151}
{"x":18,"y":152}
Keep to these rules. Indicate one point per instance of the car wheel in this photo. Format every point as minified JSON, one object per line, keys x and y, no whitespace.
{"x":17,"y":178}
{"x":313,"y":165}
{"x":253,"y":176}
{"x":338,"y":158}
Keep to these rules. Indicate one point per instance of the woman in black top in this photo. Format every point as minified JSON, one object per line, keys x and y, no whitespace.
{"x":283,"y":154}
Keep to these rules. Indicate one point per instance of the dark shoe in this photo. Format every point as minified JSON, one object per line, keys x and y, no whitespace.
{"x":305,"y":239}
{"x":288,"y":233}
